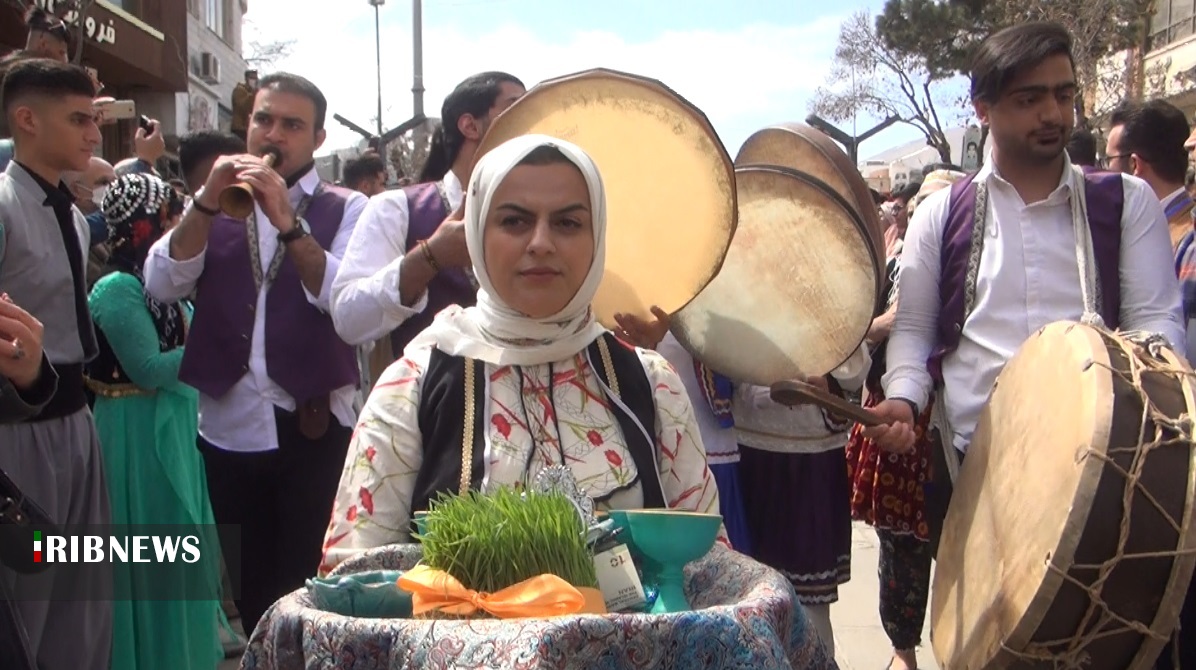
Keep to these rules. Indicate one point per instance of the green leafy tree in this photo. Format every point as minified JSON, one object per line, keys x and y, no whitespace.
{"x":946,"y":32}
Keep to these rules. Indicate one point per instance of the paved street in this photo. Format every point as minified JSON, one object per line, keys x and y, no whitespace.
{"x":860,"y":642}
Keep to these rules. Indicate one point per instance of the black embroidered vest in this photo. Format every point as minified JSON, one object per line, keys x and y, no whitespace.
{"x":442,"y":421}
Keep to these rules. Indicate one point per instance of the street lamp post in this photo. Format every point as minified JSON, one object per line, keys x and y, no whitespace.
{"x":378,"y":50}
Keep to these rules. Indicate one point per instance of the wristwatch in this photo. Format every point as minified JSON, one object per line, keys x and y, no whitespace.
{"x":300,"y":231}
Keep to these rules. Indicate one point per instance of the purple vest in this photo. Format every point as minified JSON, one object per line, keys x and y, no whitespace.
{"x":304,"y":355}
{"x":1105,"y":198}
{"x":451,"y":286}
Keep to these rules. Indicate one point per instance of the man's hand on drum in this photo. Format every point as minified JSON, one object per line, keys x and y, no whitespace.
{"x":634,"y":330}
{"x":897,"y":433}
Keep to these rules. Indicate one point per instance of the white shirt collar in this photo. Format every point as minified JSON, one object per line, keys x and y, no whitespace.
{"x":452,"y":187}
{"x":989,"y":171}
{"x":309,"y":181}
{"x":1171,"y":198}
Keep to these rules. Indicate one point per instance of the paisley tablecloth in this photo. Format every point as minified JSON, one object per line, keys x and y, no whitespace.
{"x":746,"y":617}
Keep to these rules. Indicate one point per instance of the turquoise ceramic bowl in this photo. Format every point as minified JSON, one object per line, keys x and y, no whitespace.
{"x":371,"y":595}
{"x":420,"y":519}
{"x":670,"y":537}
{"x":669,"y":540}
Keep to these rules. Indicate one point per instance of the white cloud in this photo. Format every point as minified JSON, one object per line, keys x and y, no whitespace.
{"x":742,"y":78}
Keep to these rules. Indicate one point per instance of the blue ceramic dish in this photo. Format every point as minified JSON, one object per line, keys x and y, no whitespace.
{"x":371,"y":595}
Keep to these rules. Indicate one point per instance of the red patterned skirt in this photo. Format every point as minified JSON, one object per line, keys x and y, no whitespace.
{"x":887,"y":490}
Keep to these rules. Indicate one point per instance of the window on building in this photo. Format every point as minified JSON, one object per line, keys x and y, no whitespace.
{"x":214,"y":16}
{"x":1172,"y":22}
{"x":131,"y":6}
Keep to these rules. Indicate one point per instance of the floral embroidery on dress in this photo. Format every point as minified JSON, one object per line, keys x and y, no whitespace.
{"x":533,"y":420}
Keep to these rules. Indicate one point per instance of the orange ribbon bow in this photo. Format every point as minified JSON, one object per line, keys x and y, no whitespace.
{"x":538,"y":597}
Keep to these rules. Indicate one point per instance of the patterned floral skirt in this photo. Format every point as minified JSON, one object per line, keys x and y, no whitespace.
{"x":887,"y":490}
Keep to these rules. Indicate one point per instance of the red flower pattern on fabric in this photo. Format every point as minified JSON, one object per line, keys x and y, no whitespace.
{"x":501,"y":425}
{"x":367,"y":500}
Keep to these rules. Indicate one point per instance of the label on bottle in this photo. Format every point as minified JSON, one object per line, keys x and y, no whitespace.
{"x":618,"y":579}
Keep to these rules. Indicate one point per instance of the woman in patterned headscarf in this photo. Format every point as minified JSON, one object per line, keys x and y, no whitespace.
{"x":147,"y":422}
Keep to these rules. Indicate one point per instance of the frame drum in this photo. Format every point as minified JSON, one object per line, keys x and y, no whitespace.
{"x":1068,"y":541}
{"x":809,"y":150}
{"x":797,"y":290}
{"x":670,"y":184}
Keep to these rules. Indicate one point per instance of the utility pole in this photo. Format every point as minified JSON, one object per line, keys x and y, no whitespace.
{"x":417,"y":41}
{"x":378,"y":52}
{"x":380,"y":139}
{"x":850,"y":142}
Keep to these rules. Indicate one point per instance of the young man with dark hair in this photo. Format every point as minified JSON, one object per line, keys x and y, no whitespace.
{"x":1147,"y":141}
{"x":52,"y":453}
{"x":276,"y":384}
{"x":1081,"y":148}
{"x":366,"y":174}
{"x":408,"y":259}
{"x":1023,"y":89}
{"x":199,"y":151}
{"x":48,"y":36}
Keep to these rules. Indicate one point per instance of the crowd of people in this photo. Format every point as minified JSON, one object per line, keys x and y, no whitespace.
{"x":306,"y":373}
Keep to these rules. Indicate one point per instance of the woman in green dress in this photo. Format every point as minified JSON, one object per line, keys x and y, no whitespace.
{"x":147,"y":422}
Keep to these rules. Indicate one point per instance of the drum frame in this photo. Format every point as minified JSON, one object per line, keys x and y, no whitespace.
{"x":679,"y":330}
{"x":857,"y":195}
{"x":697,"y":115}
{"x":1062,"y":600}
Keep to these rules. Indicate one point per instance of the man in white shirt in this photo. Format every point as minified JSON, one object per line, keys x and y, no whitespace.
{"x":1147,"y":141}
{"x":276,"y":383}
{"x":1023,"y":89}
{"x":383,"y":293}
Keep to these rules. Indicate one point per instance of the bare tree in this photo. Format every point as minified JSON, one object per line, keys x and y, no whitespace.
{"x":868,"y":77}
{"x":409,"y":152}
{"x":261,"y":54}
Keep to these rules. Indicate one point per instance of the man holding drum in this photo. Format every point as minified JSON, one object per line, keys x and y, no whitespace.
{"x":1022,"y":269}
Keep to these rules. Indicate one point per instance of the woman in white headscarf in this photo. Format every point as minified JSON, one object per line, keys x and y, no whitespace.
{"x":490,"y":395}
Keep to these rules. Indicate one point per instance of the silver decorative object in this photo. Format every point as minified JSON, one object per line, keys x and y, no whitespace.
{"x":560,"y":479}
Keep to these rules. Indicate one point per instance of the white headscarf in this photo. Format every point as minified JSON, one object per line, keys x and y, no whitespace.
{"x":492,"y":331}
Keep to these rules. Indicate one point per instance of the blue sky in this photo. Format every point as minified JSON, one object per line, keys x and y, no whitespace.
{"x":745,"y":63}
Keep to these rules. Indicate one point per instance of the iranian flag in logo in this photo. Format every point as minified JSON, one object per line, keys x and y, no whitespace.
{"x":37,"y":546}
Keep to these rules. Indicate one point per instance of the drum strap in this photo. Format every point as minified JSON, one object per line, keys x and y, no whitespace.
{"x":1089,"y":289}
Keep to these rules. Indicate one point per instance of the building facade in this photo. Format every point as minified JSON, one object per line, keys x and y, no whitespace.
{"x":137,"y":48}
{"x":1169,"y":63}
{"x":178,"y":60}
{"x":215,"y":61}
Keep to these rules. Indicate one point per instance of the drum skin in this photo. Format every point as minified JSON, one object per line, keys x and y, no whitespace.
{"x":798,"y":287}
{"x":1036,"y":511}
{"x":804,"y":148}
{"x":670,"y":183}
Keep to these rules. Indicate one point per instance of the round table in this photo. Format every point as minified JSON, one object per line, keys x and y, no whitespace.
{"x":746,"y":615}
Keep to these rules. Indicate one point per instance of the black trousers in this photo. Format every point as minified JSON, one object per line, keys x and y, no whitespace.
{"x":904,"y":570}
{"x":282,"y":500}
